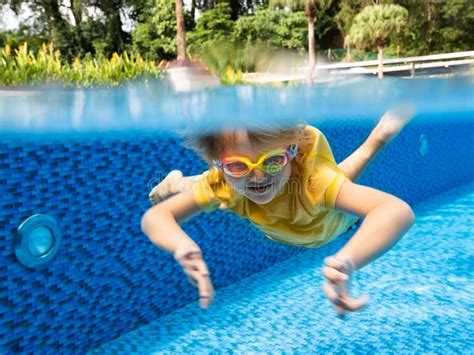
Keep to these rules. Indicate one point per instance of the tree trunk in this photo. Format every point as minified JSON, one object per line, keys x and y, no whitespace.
{"x":180,"y":31}
{"x":193,"y":9}
{"x":58,"y":28}
{"x":310,"y":13}
{"x":380,"y":58}
{"x":57,"y":22}
{"x":116,"y":37}
{"x":430,"y":25}
{"x":114,"y":28}
{"x":76,"y":10}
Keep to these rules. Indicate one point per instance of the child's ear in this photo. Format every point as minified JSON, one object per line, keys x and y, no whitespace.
{"x":216,"y":163}
{"x":293,"y":150}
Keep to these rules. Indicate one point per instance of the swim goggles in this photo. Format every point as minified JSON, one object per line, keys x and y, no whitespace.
{"x":271,"y":163}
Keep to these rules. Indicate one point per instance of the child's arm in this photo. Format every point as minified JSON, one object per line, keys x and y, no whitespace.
{"x":160,"y":224}
{"x":386,"y":220}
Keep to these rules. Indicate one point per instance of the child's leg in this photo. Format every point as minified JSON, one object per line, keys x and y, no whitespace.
{"x":172,"y":184}
{"x":387,"y":128}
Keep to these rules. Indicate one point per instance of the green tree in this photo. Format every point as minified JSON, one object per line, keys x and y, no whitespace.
{"x":374,"y":26}
{"x":115,"y":36}
{"x":310,"y":8}
{"x":344,"y":18}
{"x":80,"y":34}
{"x":213,"y":26}
{"x":348,"y":9}
{"x":457,"y":21}
{"x":49,"y":21}
{"x":435,"y":26}
{"x":155,"y":33}
{"x":238,"y":7}
{"x":275,"y":28}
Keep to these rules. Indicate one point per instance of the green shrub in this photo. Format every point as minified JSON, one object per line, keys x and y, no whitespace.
{"x":24,"y":67}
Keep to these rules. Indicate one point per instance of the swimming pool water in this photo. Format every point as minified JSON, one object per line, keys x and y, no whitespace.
{"x":421,"y":299}
{"x":156,"y":108}
{"x":87,"y":160}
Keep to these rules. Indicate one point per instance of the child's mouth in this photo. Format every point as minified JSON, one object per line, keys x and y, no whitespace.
{"x":260,"y":189}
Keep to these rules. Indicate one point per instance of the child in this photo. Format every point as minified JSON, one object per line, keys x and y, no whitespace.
{"x":288,"y":185}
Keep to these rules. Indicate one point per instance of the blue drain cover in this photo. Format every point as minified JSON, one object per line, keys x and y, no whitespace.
{"x":38,"y":240}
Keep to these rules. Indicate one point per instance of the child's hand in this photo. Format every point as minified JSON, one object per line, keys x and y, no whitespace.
{"x":190,"y":258}
{"x":337,"y":273}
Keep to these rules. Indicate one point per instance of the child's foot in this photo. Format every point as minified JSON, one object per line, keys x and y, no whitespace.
{"x":165,"y":188}
{"x":391,"y":124}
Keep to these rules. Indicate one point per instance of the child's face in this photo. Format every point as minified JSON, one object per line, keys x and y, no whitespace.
{"x":258,"y":186}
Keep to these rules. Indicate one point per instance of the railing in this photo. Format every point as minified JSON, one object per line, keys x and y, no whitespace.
{"x":425,"y":65}
{"x":408,"y":60}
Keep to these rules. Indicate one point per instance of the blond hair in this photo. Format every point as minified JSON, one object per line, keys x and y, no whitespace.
{"x":211,"y":145}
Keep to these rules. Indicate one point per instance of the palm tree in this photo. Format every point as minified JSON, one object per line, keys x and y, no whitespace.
{"x":309,"y":7}
{"x":374,"y":26}
{"x":180,"y":31}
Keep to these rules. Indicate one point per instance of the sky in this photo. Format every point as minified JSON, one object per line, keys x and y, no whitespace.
{"x":9,"y":21}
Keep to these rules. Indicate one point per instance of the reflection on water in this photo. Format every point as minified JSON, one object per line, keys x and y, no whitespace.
{"x":156,"y":106}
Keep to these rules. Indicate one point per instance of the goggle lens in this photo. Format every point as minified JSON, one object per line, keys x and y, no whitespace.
{"x":235,"y":168}
{"x":275,"y":163}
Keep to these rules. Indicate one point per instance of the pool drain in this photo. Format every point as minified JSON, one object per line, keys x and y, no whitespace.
{"x":38,"y":240}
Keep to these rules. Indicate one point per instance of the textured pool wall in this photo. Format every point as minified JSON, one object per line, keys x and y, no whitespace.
{"x":107,"y":278}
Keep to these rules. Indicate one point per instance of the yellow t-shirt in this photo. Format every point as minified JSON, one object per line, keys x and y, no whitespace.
{"x":303,"y":212}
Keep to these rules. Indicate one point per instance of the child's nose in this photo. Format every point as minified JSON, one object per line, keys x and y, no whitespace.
{"x":257,"y":174}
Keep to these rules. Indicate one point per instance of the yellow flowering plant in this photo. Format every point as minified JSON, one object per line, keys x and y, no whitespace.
{"x":24,"y":67}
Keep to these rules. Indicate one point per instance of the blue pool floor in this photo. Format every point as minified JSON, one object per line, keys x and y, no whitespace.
{"x":421,"y":300}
